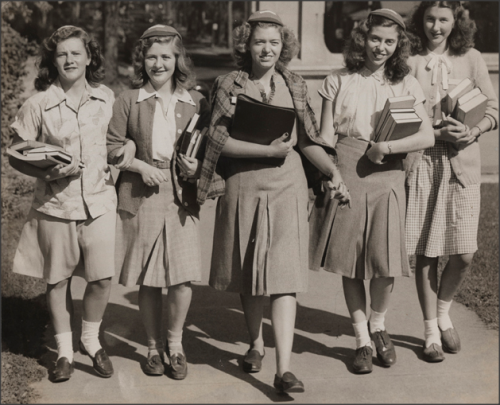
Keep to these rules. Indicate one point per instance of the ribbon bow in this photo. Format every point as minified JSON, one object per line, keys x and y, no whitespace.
{"x":439,"y":62}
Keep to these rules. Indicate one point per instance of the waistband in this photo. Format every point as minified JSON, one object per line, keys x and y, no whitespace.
{"x":161,"y":164}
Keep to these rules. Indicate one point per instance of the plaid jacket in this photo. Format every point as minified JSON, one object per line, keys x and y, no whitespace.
{"x":211,"y":184}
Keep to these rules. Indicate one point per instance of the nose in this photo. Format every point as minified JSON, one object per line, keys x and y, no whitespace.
{"x":435,"y":26}
{"x":267,"y":47}
{"x":157,"y":63}
{"x":69,"y":59}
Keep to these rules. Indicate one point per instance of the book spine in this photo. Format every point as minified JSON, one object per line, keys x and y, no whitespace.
{"x":192,"y":142}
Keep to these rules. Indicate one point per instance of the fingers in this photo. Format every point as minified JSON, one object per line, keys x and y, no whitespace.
{"x":284,"y":136}
{"x":453,"y":121}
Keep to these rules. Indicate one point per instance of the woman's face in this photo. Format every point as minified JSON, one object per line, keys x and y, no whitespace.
{"x":381,"y":43}
{"x":265,"y":47}
{"x":159,"y":62}
{"x":71,"y":60}
{"x":438,"y":24}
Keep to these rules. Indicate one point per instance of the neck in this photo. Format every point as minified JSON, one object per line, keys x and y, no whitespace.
{"x":73,"y":88}
{"x":374,"y":68}
{"x":166,"y":90}
{"x":438,"y":49}
{"x":261,"y":74}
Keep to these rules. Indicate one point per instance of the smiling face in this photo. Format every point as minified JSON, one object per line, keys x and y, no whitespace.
{"x":381,"y":43}
{"x":265,"y":47}
{"x":438,"y":24}
{"x":71,"y":60}
{"x":159,"y":62}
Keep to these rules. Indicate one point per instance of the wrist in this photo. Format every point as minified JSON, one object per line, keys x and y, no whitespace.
{"x":476,"y":131}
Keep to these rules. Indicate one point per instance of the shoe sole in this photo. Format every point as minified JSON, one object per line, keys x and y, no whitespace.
{"x":448,"y":350}
{"x":290,"y":390}
{"x":362,"y":371}
{"x":249,"y":368}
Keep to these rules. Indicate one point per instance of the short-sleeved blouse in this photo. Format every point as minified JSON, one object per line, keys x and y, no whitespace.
{"x":49,"y":117}
{"x":359,"y":98}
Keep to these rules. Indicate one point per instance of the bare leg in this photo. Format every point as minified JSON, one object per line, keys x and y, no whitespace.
{"x":283,"y":310}
{"x":453,"y":275}
{"x":150,"y":309}
{"x":253,"y":310}
{"x":95,"y":299}
{"x":380,"y":293}
{"x":426,"y":281}
{"x":178,"y":302}
{"x":60,"y":305}
{"x":355,"y":298}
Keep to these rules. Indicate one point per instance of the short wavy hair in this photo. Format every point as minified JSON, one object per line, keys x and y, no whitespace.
{"x":183,"y":76}
{"x":461,"y":38}
{"x":241,"y":44}
{"x":47,"y":72}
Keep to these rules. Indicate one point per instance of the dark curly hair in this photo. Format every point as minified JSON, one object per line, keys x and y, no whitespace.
{"x":183,"y":75}
{"x":241,"y":40}
{"x":461,"y":38}
{"x":47,"y":72}
{"x":395,"y":68}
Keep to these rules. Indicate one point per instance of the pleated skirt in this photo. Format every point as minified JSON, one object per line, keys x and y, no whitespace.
{"x":367,"y":240}
{"x":159,"y":246}
{"x":261,"y":231}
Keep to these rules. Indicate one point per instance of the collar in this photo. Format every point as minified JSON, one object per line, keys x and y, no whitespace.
{"x":379,"y":74}
{"x":148,"y":91}
{"x":56,"y":94}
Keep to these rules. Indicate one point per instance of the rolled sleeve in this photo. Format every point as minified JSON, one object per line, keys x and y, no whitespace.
{"x":28,"y":121}
{"x":330,"y":87}
{"x":117,"y":129}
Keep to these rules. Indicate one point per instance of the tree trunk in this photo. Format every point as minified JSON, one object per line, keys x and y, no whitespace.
{"x":110,"y":25}
{"x":230,"y":24}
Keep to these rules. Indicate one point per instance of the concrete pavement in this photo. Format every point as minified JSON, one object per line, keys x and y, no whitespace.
{"x":215,"y":339}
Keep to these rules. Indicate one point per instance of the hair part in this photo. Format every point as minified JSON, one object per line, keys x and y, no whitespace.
{"x":183,"y":76}
{"x":47,"y":71}
{"x":242,"y":36}
{"x":395,"y":68}
{"x":461,"y":38}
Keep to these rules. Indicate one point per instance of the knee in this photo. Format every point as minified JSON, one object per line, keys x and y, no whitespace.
{"x":184,"y":288}
{"x":104,"y":284}
{"x":61,"y":285}
{"x":463,"y":262}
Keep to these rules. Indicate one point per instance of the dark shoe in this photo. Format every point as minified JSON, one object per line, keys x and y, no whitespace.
{"x":63,"y":370}
{"x":386,"y":353}
{"x":363,"y":360}
{"x":433,"y":353}
{"x":154,"y":366}
{"x":178,"y":366}
{"x":252,"y":362}
{"x":450,"y":341}
{"x":101,"y":362}
{"x":288,"y":383}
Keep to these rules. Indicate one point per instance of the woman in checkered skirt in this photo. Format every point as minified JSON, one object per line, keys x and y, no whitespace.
{"x":157,"y":244}
{"x":443,"y":183}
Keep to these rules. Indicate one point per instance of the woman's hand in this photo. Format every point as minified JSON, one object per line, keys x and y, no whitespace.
{"x":127,"y":154}
{"x":339,"y":190}
{"x":470,"y":138}
{"x":281,"y":147}
{"x":190,"y":167}
{"x":454,"y":132}
{"x":377,"y":152}
{"x":59,"y":171}
{"x":152,"y":176}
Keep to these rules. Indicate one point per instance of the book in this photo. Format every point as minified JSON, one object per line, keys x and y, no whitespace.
{"x":192,"y":142}
{"x":469,"y":96}
{"x":392,"y":103}
{"x":201,"y":140}
{"x":394,"y":115}
{"x":449,"y":101}
{"x":188,"y":133}
{"x":258,"y":122}
{"x":32,"y":145}
{"x":41,"y":160}
{"x":40,"y":154}
{"x":472,"y":111}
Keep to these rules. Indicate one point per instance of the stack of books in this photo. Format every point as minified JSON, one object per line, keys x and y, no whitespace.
{"x":193,"y":139}
{"x":40,"y":154}
{"x":398,"y":119}
{"x":466,"y":103}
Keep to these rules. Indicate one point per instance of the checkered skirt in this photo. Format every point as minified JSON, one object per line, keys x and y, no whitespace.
{"x":442,"y":216}
{"x":160,"y":246}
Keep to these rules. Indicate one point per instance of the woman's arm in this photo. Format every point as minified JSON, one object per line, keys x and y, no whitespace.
{"x":279,"y":148}
{"x":422,"y":139}
{"x":117,"y":130}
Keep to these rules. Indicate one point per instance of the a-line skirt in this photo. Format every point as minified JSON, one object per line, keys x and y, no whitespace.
{"x":367,"y":240}
{"x":261,"y":231}
{"x":442,"y":215}
{"x":159,"y":246}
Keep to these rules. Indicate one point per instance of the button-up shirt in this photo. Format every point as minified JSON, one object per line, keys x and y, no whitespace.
{"x":49,"y":117}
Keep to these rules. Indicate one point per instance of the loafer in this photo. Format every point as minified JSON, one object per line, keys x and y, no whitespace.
{"x":252,"y":362}
{"x":433,"y":353}
{"x":386,"y":353}
{"x":450,"y":340}
{"x":63,"y":369}
{"x":178,"y":366}
{"x":101,"y":362}
{"x":363,"y":360}
{"x":288,"y":383}
{"x":154,"y":366}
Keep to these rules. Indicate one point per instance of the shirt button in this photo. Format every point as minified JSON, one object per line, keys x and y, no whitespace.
{"x":178,"y":115}
{"x":186,"y":204}
{"x":179,"y":131}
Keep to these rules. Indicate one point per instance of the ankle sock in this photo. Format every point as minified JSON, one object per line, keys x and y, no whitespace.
{"x":443,"y":317}
{"x":361,"y":333}
{"x":155,"y":346}
{"x":377,"y":320}
{"x":174,"y":340}
{"x":431,"y":332}
{"x":65,"y":345}
{"x":90,"y":336}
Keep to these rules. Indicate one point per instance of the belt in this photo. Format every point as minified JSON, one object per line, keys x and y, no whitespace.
{"x":161,"y":164}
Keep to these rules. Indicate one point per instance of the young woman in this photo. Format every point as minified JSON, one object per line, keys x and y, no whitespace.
{"x":157,"y":243}
{"x":443,"y":183}
{"x":366,"y":241}
{"x":73,"y":212}
{"x":261,"y":231}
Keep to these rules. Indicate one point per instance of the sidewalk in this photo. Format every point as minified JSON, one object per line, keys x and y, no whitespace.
{"x":215,"y":339}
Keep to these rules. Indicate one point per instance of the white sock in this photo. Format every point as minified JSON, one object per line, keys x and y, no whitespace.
{"x":90,"y":336}
{"x":65,"y":345}
{"x":155,"y":346}
{"x":361,"y":333}
{"x":443,"y":308}
{"x":377,"y":320}
{"x":431,"y":332}
{"x":174,"y":340}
